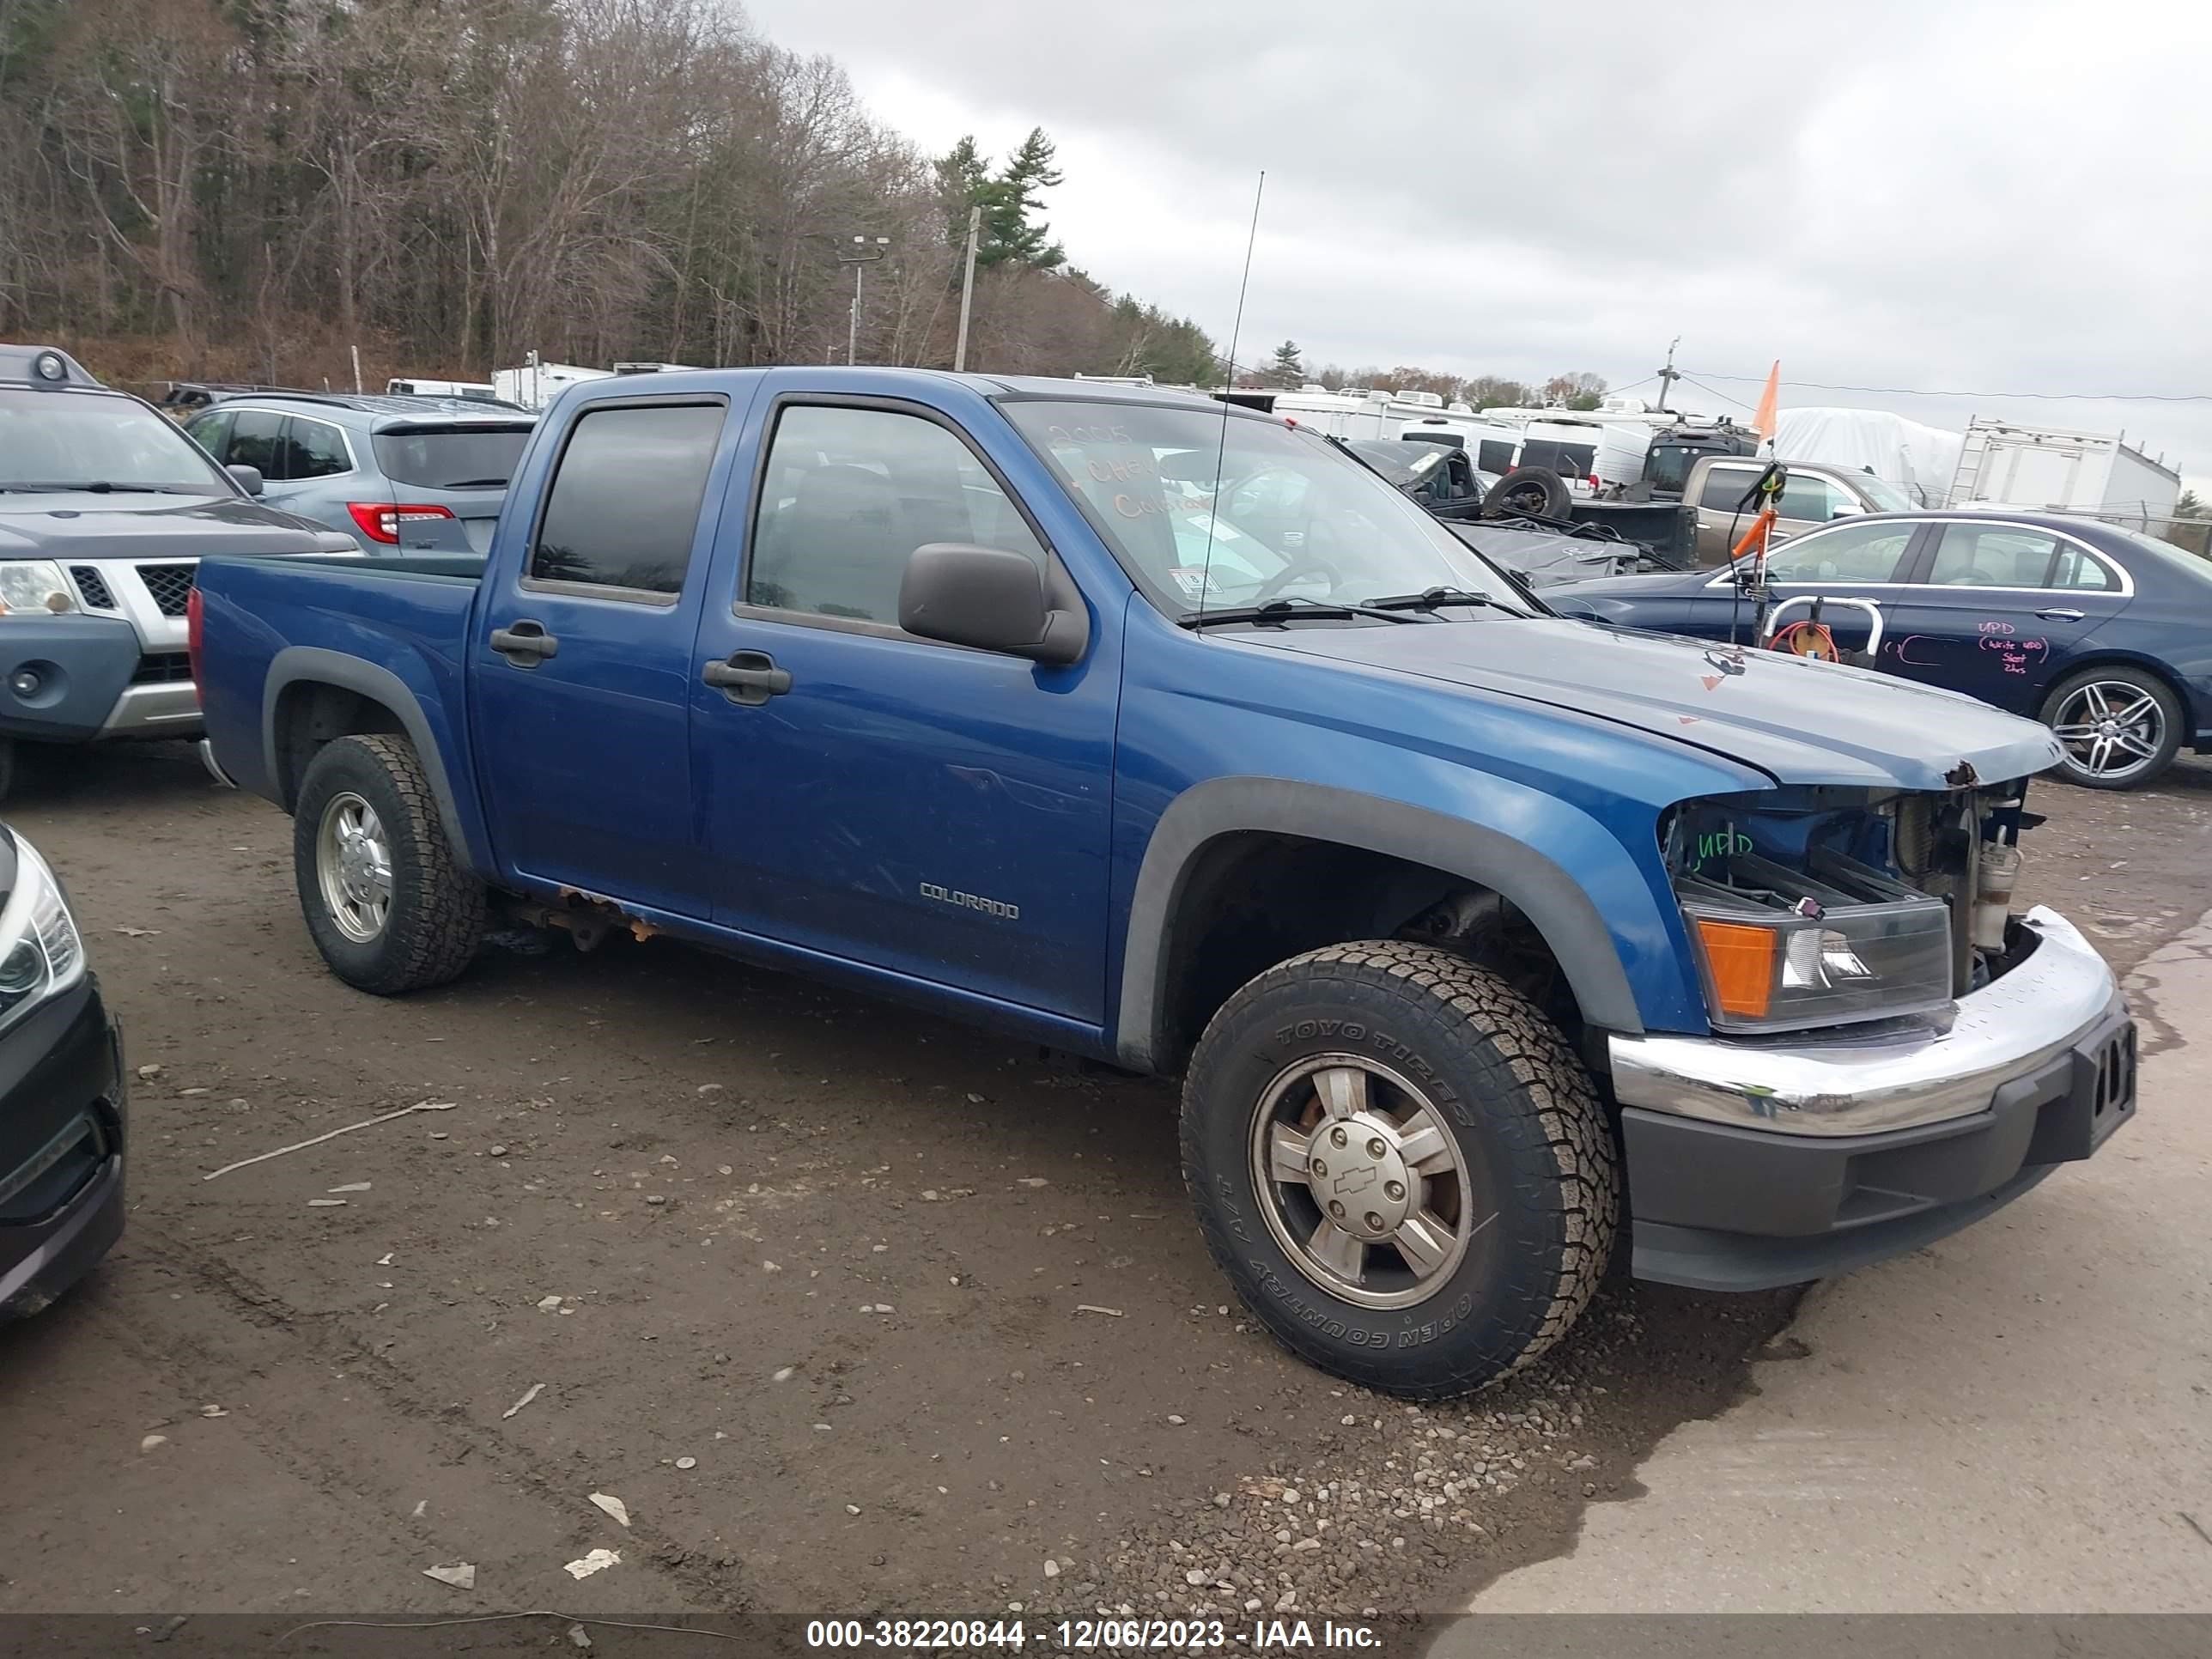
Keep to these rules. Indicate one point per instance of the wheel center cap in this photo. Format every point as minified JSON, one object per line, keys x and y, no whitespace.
{"x":1358,"y":1177}
{"x":357,"y":870}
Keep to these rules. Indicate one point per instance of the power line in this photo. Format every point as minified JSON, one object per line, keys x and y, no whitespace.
{"x":1915,"y":392}
{"x":1715,"y":391}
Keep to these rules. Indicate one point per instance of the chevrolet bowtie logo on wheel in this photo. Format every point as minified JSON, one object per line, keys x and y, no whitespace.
{"x":1355,"y":1181}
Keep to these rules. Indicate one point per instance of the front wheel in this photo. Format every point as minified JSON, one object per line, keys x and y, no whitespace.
{"x":2121,"y":727}
{"x":387,"y":903}
{"x":1400,"y":1165}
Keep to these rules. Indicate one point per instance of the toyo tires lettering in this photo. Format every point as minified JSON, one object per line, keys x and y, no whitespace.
{"x":1306,"y":1030}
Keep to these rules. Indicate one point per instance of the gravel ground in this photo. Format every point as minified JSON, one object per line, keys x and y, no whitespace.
{"x":805,"y":1278}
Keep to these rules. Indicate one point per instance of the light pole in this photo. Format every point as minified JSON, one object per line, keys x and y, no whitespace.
{"x":866,"y":251}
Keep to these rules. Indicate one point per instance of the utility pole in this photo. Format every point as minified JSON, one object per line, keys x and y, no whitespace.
{"x":967,"y":289}
{"x":1669,"y":375}
{"x":861,"y":259}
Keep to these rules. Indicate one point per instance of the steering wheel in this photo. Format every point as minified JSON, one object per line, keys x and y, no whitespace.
{"x":1306,"y":568}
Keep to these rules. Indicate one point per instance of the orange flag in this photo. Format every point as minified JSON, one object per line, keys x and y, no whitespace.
{"x":1763,"y":421}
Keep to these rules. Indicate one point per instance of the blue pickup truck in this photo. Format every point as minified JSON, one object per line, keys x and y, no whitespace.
{"x":1166,"y":734}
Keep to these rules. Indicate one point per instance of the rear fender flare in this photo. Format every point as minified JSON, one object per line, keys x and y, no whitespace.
{"x":306,"y":663}
{"x":1552,"y":900}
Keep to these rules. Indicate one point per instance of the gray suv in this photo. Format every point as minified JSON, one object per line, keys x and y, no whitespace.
{"x":398,"y":474}
{"x":106,"y":509}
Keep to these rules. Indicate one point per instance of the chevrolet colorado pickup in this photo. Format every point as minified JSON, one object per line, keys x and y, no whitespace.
{"x":1476,"y":934}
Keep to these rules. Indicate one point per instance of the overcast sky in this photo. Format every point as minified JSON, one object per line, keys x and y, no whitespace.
{"x":1985,"y":196}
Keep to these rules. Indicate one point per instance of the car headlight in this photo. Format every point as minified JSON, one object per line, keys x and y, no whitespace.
{"x":33,"y":585}
{"x":1787,"y":950}
{"x":41,"y":952}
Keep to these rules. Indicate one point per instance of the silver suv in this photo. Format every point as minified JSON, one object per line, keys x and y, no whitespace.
{"x":398,"y":474}
{"x":106,"y":510}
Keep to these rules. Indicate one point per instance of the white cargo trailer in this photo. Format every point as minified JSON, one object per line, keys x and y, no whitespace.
{"x":2041,"y":466}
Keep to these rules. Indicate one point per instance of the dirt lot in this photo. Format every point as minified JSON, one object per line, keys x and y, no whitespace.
{"x":814,"y":1285}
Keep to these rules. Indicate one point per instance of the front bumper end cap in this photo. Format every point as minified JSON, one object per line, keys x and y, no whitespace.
{"x":1844,"y":1083}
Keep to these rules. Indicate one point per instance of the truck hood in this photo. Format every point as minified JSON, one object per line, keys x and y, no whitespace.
{"x":87,"y":526}
{"x":1800,"y":722}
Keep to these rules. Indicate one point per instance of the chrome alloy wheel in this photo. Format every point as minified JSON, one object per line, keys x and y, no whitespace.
{"x":353,"y":865}
{"x":2112,"y":729}
{"x":1361,"y":1182}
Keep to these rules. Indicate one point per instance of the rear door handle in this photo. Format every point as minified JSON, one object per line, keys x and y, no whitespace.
{"x":2060,"y":614}
{"x":751,"y":678}
{"x":525,"y":644}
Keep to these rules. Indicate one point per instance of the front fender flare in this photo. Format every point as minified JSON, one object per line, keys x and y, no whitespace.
{"x":1552,"y":900}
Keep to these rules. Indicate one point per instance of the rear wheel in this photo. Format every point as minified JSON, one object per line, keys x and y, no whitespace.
{"x":387,"y":903}
{"x":2121,"y":727}
{"x":1400,"y":1165}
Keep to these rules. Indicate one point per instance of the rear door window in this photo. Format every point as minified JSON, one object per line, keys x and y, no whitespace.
{"x":452,"y":457}
{"x":315,"y":449}
{"x":1985,"y":556}
{"x":623,"y":509}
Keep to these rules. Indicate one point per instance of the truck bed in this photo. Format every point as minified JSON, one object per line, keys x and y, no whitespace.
{"x":356,"y":624}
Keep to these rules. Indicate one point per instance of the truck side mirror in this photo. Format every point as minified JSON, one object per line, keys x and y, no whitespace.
{"x":991,"y":599}
{"x":248,"y":478}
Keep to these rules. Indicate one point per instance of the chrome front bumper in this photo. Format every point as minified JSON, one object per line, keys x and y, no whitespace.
{"x":1840,"y":1083}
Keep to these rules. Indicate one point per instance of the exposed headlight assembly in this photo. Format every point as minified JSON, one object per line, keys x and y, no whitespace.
{"x":1781,"y":950}
{"x":40,"y":949}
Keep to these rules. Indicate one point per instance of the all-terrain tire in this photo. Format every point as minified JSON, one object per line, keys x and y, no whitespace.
{"x":1539,"y":1153}
{"x":436,"y":917}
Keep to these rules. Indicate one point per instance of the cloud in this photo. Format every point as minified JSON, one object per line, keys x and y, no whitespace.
{"x":1987,"y":195}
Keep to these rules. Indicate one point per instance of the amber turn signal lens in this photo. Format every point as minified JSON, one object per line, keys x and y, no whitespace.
{"x":1740,"y":960}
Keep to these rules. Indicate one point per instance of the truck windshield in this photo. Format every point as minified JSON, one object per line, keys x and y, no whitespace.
{"x":1204,"y":511}
{"x":63,"y":440}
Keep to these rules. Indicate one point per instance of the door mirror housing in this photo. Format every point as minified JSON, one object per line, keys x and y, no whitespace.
{"x":991,"y":600}
{"x":248,"y":478}
{"x":1845,"y":510}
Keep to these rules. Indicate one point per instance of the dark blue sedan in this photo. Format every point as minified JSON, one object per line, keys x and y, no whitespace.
{"x":2104,"y":634}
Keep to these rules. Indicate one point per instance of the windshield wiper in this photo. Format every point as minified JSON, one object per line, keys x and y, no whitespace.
{"x":472,"y":483}
{"x":1277,"y":610}
{"x":1435,"y":597}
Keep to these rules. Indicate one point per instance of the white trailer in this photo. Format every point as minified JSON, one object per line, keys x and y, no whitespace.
{"x":536,"y":384}
{"x":2041,"y":466}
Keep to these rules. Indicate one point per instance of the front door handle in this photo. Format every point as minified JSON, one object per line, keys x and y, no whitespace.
{"x":2059,"y":614}
{"x":525,"y":644}
{"x":751,"y":678}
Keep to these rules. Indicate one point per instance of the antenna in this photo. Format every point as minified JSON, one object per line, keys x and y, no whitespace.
{"x":1235,"y":329}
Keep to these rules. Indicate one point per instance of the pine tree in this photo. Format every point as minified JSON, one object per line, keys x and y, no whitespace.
{"x":1011,"y":233}
{"x":1287,"y":369}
